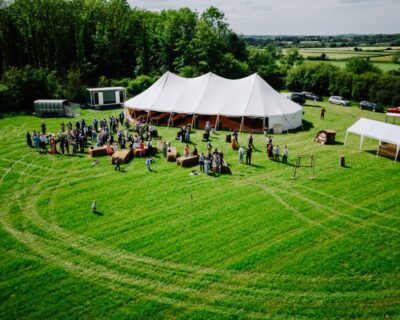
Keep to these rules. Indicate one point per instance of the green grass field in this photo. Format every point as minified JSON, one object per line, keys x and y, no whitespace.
{"x":254,"y":244}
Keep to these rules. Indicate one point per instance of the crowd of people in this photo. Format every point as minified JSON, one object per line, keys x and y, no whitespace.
{"x":116,"y":135}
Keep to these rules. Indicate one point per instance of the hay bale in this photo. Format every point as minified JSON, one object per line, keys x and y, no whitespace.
{"x":387,"y":150}
{"x":98,"y":152}
{"x":172,"y":154}
{"x":326,"y":137}
{"x":125,"y":156}
{"x":187,"y":162}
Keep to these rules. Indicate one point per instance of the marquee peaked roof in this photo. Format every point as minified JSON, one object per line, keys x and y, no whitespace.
{"x":211,"y":94}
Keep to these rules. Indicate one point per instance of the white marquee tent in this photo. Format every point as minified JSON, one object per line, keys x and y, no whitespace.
{"x":212,"y":95}
{"x":381,"y":131}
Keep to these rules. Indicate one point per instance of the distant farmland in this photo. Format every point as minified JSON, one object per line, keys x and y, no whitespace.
{"x":380,"y":56}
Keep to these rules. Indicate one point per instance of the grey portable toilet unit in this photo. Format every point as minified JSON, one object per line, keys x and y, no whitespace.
{"x":105,"y":98}
{"x":50,"y":107}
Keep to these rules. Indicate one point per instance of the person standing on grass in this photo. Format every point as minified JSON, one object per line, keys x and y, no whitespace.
{"x":43,"y":143}
{"x":322,"y":113}
{"x":269,"y":151}
{"x":201,"y":162}
{"x":95,"y":124}
{"x":66,"y":144}
{"x":94,"y":206}
{"x":248,"y":154}
{"x":121,"y":118}
{"x":148,"y":163}
{"x":241,"y":153}
{"x":206,"y":165}
{"x":276,"y":153}
{"x":29,"y":140}
{"x":285,"y":154}
{"x":117,"y":164}
{"x":43,"y":127}
{"x":251,"y":141}
{"x":36,"y":141}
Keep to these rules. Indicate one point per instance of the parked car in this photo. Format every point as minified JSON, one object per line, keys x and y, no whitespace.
{"x":370,"y":106}
{"x":312,"y":96}
{"x":393,"y":110}
{"x":299,"y":98}
{"x":339,"y":100}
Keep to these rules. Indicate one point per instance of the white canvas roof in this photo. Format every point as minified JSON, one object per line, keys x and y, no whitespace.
{"x":384,"y":132}
{"x":210,"y":94}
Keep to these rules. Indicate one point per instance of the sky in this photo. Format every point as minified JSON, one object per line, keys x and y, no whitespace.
{"x":296,"y":17}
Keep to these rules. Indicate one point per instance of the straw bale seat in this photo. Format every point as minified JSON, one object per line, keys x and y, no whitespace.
{"x":125,"y":156}
{"x":387,"y":150}
{"x":187,"y":162}
{"x":98,"y":152}
{"x":172,"y":154}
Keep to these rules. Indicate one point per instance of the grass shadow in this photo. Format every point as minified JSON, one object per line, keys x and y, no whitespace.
{"x":307,"y":126}
{"x":98,"y":213}
{"x":257,"y":166}
{"x":383,"y":155}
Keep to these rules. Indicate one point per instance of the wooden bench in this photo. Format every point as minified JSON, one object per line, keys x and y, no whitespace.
{"x":187,"y":162}
{"x":98,"y":152}
{"x":124,"y":156}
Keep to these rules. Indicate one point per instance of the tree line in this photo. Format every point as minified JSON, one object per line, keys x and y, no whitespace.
{"x":57,"y":48}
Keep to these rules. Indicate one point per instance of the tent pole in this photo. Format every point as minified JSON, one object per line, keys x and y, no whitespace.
{"x":148,"y":114}
{"x":241,"y":124}
{"x":169,"y":120}
{"x":263,"y":128}
{"x":217,"y":122}
{"x":397,"y":153}
{"x":345,"y":140}
{"x":377,"y":151}
{"x":361,"y":142}
{"x":193,"y":120}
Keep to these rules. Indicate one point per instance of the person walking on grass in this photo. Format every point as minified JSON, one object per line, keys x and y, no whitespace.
{"x":94,"y":206}
{"x":285,"y":154}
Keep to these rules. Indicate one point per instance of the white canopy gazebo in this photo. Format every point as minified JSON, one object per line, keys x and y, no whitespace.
{"x":224,"y":99}
{"x":381,"y":131}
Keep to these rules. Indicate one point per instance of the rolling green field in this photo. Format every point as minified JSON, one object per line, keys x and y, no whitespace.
{"x":254,"y":244}
{"x":379,"y":56}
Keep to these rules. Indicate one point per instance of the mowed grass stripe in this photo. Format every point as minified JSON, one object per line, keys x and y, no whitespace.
{"x":51,"y":209}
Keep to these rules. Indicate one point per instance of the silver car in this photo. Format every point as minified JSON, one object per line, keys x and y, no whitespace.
{"x":339,"y":100}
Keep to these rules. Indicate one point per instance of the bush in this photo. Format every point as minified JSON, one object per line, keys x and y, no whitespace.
{"x":140,"y":84}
